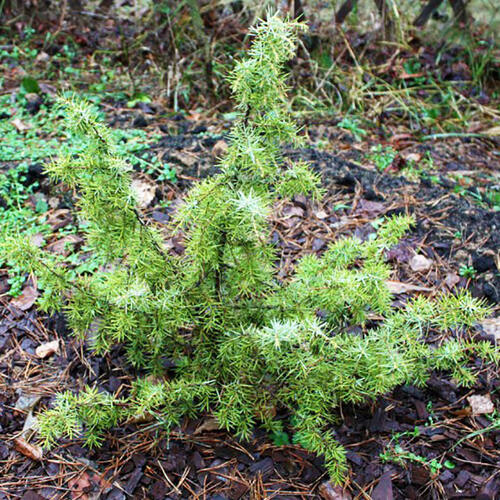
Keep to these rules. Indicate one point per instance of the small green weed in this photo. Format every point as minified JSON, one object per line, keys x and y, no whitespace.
{"x":352,"y":124}
{"x":382,"y":156}
{"x":467,"y":271}
{"x":397,"y":454}
{"x":416,"y":170}
{"x":43,"y":136}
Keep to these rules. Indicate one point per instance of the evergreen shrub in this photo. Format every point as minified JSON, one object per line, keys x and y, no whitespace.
{"x":243,"y":343}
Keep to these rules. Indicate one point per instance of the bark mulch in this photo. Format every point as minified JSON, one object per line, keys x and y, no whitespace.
{"x":411,"y":444}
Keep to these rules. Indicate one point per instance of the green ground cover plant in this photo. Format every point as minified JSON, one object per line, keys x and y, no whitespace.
{"x":40,"y":134}
{"x":243,"y":342}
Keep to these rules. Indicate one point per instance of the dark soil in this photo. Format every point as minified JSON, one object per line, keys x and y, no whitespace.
{"x":439,"y":215}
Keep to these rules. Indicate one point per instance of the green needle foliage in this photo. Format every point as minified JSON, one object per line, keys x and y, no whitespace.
{"x":244,"y":344}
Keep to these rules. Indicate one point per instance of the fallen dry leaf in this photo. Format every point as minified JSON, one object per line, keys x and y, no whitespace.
{"x":47,"y":349}
{"x":398,"y":287}
{"x":79,"y":486}
{"x":26,"y":299}
{"x":20,"y":125}
{"x":140,"y":418}
{"x":493,"y":132}
{"x":59,"y":218}
{"x":415,"y":157}
{"x":405,"y":76}
{"x":210,"y":424}
{"x":451,"y":280}
{"x":321,"y":214}
{"x":64,"y":245}
{"x":419,"y":263}
{"x":144,"y":191}
{"x":329,"y":491}
{"x":37,"y":239}
{"x":293,"y":211}
{"x":492,"y":327}
{"x":220,"y":147}
{"x":369,"y":208}
{"x":481,"y":404}
{"x":48,"y":89}
{"x":28,"y":450}
{"x":186,"y":158}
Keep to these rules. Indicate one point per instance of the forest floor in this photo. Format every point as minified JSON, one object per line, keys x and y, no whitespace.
{"x":441,"y":441}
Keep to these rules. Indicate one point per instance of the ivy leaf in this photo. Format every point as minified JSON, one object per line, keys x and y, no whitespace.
{"x":30,"y":85}
{"x":41,"y":206}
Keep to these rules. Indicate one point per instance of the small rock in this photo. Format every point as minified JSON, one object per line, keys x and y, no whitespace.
{"x":200,"y":129}
{"x":481,"y":404}
{"x":354,"y":457}
{"x":160,"y":217}
{"x":419,"y":263}
{"x":133,"y":480}
{"x":198,"y":461}
{"x":369,"y":209}
{"x":4,"y":451}
{"x":158,"y":490}
{"x":37,"y":239}
{"x":32,"y":495}
{"x":489,"y":491}
{"x":321,"y":214}
{"x":30,"y":424}
{"x":26,"y":402}
{"x":145,"y":108}
{"x":116,"y":494}
{"x":28,"y":346}
{"x":451,"y":280}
